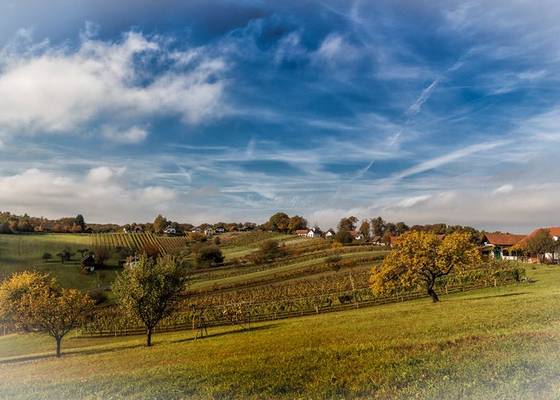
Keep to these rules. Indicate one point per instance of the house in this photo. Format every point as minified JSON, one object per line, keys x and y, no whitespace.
{"x":88,"y":263}
{"x":302,"y":232}
{"x":313,"y":233}
{"x":500,"y":245}
{"x":554,"y":232}
{"x":220,"y":229}
{"x":330,"y":234}
{"x":170,"y":230}
{"x":377,"y":240}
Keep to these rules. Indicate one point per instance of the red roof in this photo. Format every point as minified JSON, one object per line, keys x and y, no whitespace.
{"x":503,"y":239}
{"x":553,"y":231}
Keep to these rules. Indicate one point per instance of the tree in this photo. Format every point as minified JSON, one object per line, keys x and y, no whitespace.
{"x":279,"y":222}
{"x":160,"y":223}
{"x":208,"y":255}
{"x":269,"y":250}
{"x":401,"y":228}
{"x":420,"y":258}
{"x":101,"y":255}
{"x":80,"y":221}
{"x":34,"y":302}
{"x":378,"y":226}
{"x":347,"y":224}
{"x":296,"y":222}
{"x":540,"y":244}
{"x":47,"y":256}
{"x":151,"y":290}
{"x":365,"y":229}
{"x":343,"y":237}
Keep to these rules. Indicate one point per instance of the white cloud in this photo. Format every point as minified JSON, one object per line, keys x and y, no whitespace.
{"x":59,"y":90}
{"x":130,"y":135}
{"x":334,"y":49}
{"x":97,"y":194}
{"x":504,"y":189}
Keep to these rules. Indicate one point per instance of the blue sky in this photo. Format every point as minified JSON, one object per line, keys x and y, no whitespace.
{"x":443,"y":111}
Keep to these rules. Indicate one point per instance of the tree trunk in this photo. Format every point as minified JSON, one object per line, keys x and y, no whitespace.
{"x":433,"y":294}
{"x":149,"y":337}
{"x":58,"y":343}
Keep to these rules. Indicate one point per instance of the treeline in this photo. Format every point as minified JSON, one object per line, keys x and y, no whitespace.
{"x":11,"y":223}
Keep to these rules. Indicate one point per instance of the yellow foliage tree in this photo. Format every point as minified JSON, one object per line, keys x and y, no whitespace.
{"x":33,"y":302}
{"x":420,"y":258}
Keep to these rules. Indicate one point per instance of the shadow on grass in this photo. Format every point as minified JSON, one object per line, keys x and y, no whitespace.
{"x":18,"y":359}
{"x":227,"y":333}
{"x":78,"y":351}
{"x":496,"y":295}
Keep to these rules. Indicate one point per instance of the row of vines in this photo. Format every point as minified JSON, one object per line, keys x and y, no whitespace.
{"x":138,"y":241}
{"x":303,"y":298}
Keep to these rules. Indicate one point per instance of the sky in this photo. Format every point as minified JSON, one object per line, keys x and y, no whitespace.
{"x":206,"y":111}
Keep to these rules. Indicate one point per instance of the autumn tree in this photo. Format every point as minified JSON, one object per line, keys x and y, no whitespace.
{"x":269,"y":250}
{"x":80,"y":221}
{"x":150,"y":291}
{"x":160,"y":223}
{"x":365,"y":229}
{"x":296,"y":222}
{"x":420,"y":258}
{"x":207,"y":255}
{"x":541,"y":243}
{"x":34,"y":302}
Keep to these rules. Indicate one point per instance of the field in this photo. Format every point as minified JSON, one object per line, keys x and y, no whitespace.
{"x":21,"y":252}
{"x":493,"y":343}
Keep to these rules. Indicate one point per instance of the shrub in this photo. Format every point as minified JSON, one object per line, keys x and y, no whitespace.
{"x":208,"y":256}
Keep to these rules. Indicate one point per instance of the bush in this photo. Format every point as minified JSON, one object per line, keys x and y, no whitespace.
{"x":269,"y":251}
{"x":208,"y":256}
{"x":98,"y":296}
{"x":47,"y":256}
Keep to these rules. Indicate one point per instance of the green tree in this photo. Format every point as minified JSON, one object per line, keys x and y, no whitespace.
{"x":420,"y":258}
{"x":348,"y":224}
{"x":208,"y":255}
{"x":150,"y":291}
{"x":279,"y":222}
{"x":378,"y":226}
{"x":401,"y":228}
{"x":540,"y":244}
{"x":269,"y":250}
{"x":34,"y":302}
{"x":343,"y":237}
{"x":80,"y":221}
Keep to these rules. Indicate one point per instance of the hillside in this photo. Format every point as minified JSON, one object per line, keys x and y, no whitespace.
{"x":491,"y":343}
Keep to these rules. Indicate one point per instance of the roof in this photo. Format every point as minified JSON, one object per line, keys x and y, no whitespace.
{"x":503,"y":239}
{"x":553,"y":231}
{"x":302,"y":231}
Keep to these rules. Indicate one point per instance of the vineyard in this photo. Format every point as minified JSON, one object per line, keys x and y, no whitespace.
{"x":138,"y":241}
{"x":347,"y":290}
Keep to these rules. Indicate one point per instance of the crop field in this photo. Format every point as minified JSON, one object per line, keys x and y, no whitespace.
{"x":138,"y":241}
{"x":499,"y":343}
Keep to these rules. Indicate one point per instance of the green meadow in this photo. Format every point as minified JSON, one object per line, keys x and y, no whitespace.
{"x":498,"y":343}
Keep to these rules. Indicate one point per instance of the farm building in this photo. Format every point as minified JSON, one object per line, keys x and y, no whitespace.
{"x":88,"y":263}
{"x":499,"y":245}
{"x":330,"y":233}
{"x":313,"y":233}
{"x":302,"y":232}
{"x":170,"y":230}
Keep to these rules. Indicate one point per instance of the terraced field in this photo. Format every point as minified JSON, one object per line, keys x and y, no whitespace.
{"x":138,"y":241}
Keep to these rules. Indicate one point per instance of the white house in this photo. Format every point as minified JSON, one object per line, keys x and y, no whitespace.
{"x":169,"y":230}
{"x":313,"y":233}
{"x":330,"y":234}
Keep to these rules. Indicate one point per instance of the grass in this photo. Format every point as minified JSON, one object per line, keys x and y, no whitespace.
{"x":24,"y":252}
{"x":500,"y":343}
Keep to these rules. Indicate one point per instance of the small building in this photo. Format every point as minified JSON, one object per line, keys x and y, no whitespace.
{"x":500,"y":245}
{"x":313,"y":233}
{"x":88,"y":263}
{"x":330,"y":234}
{"x":220,"y":229}
{"x":554,"y":232}
{"x":302,"y":232}
{"x":170,"y":230}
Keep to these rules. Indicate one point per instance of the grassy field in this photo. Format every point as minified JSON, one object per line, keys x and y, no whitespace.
{"x":499,"y":343}
{"x":24,"y":252}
